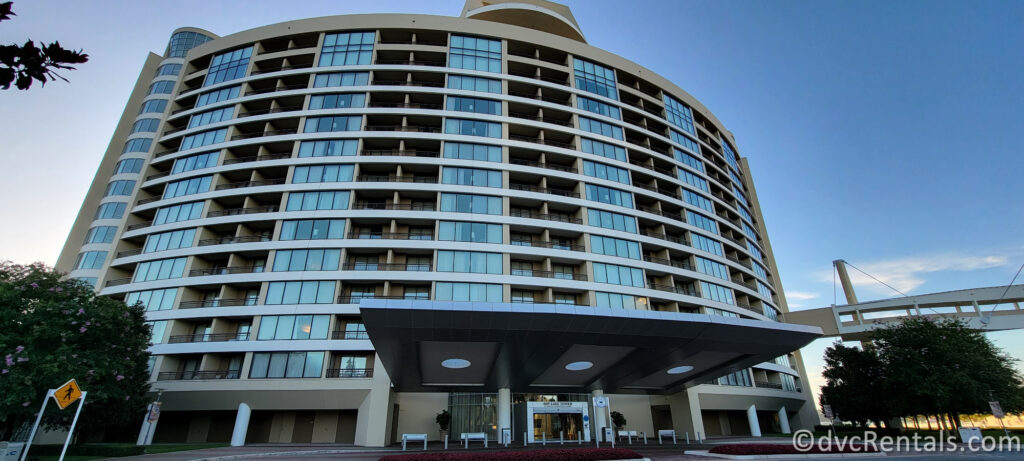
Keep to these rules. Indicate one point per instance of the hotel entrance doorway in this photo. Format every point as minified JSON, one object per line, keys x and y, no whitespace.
{"x":553,"y":424}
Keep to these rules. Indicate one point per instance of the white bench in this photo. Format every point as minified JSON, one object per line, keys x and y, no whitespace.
{"x":629,"y":435}
{"x":666,"y":433}
{"x":414,"y":438}
{"x":466,"y":437}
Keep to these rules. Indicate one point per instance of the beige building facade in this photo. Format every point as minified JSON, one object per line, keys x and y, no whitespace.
{"x":316,"y":213}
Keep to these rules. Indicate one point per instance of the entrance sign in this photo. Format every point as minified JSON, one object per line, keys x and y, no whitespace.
{"x":67,"y":394}
{"x":551,"y":419}
{"x":154,"y":412}
{"x":997,"y":410}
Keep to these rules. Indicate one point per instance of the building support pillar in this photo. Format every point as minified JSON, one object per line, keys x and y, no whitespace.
{"x":504,"y":414}
{"x":755,"y":425}
{"x":600,"y":417}
{"x":784,"y":421}
{"x":241,"y":425}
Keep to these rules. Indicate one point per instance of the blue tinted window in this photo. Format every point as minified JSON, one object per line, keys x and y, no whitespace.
{"x":228,"y":66}
{"x":709,"y":245}
{"x":603,"y":149}
{"x":334,"y":148}
{"x":730,"y":155}
{"x":307,"y":260}
{"x":471,"y":177}
{"x":685,"y":141}
{"x":137,"y":145}
{"x":112,"y":210}
{"x":749,"y":231}
{"x":614,"y":247}
{"x":688,"y":159}
{"x":600,"y":170}
{"x":341,"y":79}
{"x":129,"y":165}
{"x":760,"y":271}
{"x":313,"y":229}
{"x":693,"y":180}
{"x":476,"y":262}
{"x":619,"y":301}
{"x":216,"y":96}
{"x":320,"y":200}
{"x":195,"y":162}
{"x":472,"y":128}
{"x":466,"y":151}
{"x":168,"y":69}
{"x":679,"y":114}
{"x":599,"y":127}
{"x":609,"y":220}
{"x":754,"y":251}
{"x":470,"y":203}
{"x":475,"y":105}
{"x":178,"y":213}
{"x":203,"y":139}
{"x":213,"y":116}
{"x":698,"y":200}
{"x":618,"y":275}
{"x":90,"y":260}
{"x":610,"y":196}
{"x":181,"y":42}
{"x":123,"y":187}
{"x":469,"y":232}
{"x":712,"y":268}
{"x":322,"y":173}
{"x":476,"y":292}
{"x":701,"y":221}
{"x":153,"y":106}
{"x":465,"y":82}
{"x":475,"y":54}
{"x":161,"y":87}
{"x":305,"y":292}
{"x":146,"y":125}
{"x":187,"y":187}
{"x":347,"y":49}
{"x":327,"y":124}
{"x":162,"y":269}
{"x":594,"y":78}
{"x":598,"y":107}
{"x":337,"y":101}
{"x":170,"y":240}
{"x":100,"y":234}
{"x":153,"y":300}
{"x":716,"y":292}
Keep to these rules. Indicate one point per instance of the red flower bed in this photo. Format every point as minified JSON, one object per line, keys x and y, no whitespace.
{"x":576,"y":454}
{"x":785,"y":449}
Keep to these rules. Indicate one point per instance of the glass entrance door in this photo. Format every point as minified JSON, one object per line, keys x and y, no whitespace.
{"x":554,"y":423}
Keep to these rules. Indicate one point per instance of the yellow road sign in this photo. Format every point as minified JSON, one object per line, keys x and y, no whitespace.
{"x":67,"y":394}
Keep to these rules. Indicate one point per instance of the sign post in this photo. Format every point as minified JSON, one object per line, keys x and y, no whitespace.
{"x":64,"y":395}
{"x":997,"y":411}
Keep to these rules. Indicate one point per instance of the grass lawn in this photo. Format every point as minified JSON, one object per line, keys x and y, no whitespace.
{"x":97,"y":447}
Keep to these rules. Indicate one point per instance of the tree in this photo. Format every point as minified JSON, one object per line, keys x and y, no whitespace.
{"x":21,"y":64}
{"x":55,"y":329}
{"x":618,"y":420}
{"x":854,"y":384}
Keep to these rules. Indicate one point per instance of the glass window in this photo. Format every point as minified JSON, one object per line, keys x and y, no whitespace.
{"x":313,"y":229}
{"x":600,"y":170}
{"x":112,"y":210}
{"x":195,"y":162}
{"x":100,"y":234}
{"x":689,"y":160}
{"x":228,"y":66}
{"x":203,"y":139}
{"x":469,"y":232}
{"x":129,"y":165}
{"x":472,"y":128}
{"x":187,"y":187}
{"x":476,"y":262}
{"x":745,"y":214}
{"x":153,"y":300}
{"x":170,"y":240}
{"x":749,"y":231}
{"x":300,"y":292}
{"x":712,"y":268}
{"x":619,"y":301}
{"x":466,"y":151}
{"x":288,"y":327}
{"x":679,"y":114}
{"x":716,"y":292}
{"x":334,"y":79}
{"x":470,"y":203}
{"x":603,"y":149}
{"x":337,"y":101}
{"x":701,"y":221}
{"x":599,"y":127}
{"x":137,"y":145}
{"x":156,"y":335}
{"x":178,"y":213}
{"x":693,"y":180}
{"x":698,"y":200}
{"x":157,"y":106}
{"x":614,"y":247}
{"x":610,"y":196}
{"x":739,"y":378}
{"x":476,"y":292}
{"x":764,"y":291}
{"x":322,"y":173}
{"x":618,"y":275}
{"x":212,"y":116}
{"x":760,"y":271}
{"x":471,"y":177}
{"x":334,"y":148}
{"x":475,"y":105}
{"x":161,"y":269}
{"x":122,"y":187}
{"x":465,"y":82}
{"x":594,"y":78}
{"x":609,"y":220}
{"x":709,"y":245}
{"x":181,"y":42}
{"x":90,"y":260}
{"x":168,"y":69}
{"x":146,"y":125}
{"x":754,"y":251}
{"x":322,"y":200}
{"x":306,"y":260}
{"x":287,"y":365}
{"x":215,"y":96}
{"x":347,"y":49}
{"x":475,"y":53}
{"x":329,"y":124}
{"x":730,"y":155}
{"x":598,"y":107}
{"x":686,"y":141}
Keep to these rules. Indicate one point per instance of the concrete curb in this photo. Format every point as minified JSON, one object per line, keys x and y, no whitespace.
{"x":789,"y":456}
{"x":290,"y":453}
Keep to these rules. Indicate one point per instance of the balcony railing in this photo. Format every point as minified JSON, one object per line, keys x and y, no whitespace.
{"x":239,"y":239}
{"x":277,"y":69}
{"x":548,"y":274}
{"x":541,"y":98}
{"x":261,"y":134}
{"x":225,"y":270}
{"x":543,"y":244}
{"x":670,"y":238}
{"x":405,"y":83}
{"x":274,"y":110}
{"x":256,"y":158}
{"x":544,"y":190}
{"x":116,"y":282}
{"x":209,"y":338}
{"x":402,"y":153}
{"x":540,"y":77}
{"x":354,"y":299}
{"x":190,"y":375}
{"x":385,"y":267}
{"x":667,"y":214}
{"x":539,"y":58}
{"x":550,"y":166}
{"x":350,"y":372}
{"x":276,"y":89}
{"x":672,"y":289}
{"x":550,"y":120}
{"x":404,"y":105}
{"x":242,"y":211}
{"x":137,"y":226}
{"x":404,"y":128}
{"x":410,"y":42}
{"x":393,"y":206}
{"x":229,"y":302}
{"x":401,"y":62}
{"x":158,"y":176}
{"x":147,"y":200}
{"x":680,"y":264}
{"x":545,"y":216}
{"x":653,"y":168}
{"x":342,"y":334}
{"x":388,"y":236}
{"x":126,"y":253}
{"x":239,"y":185}
{"x":767,"y":385}
{"x":746,"y":264}
{"x":396,"y":178}
{"x":546,"y":142}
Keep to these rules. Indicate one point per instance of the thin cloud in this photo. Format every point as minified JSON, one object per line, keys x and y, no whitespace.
{"x":800,"y":295}
{"x":906,"y":274}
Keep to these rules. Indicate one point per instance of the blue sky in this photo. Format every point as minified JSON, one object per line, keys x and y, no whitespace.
{"x":887,"y":133}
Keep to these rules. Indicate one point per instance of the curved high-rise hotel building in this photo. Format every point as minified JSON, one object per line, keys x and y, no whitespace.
{"x":352,"y":223}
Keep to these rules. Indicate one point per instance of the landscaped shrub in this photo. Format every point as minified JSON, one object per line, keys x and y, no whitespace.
{"x":99,"y":449}
{"x":571,"y":454}
{"x":784,"y":449}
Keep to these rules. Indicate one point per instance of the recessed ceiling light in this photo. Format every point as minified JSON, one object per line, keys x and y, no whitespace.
{"x":579,"y":366}
{"x":679,"y":370}
{"x":455,"y":363}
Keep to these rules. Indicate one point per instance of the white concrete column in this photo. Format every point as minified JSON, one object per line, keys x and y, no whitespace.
{"x":504,"y":412}
{"x":600,"y":417}
{"x":241,"y":425}
{"x":784,"y":421}
{"x":755,"y":426}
